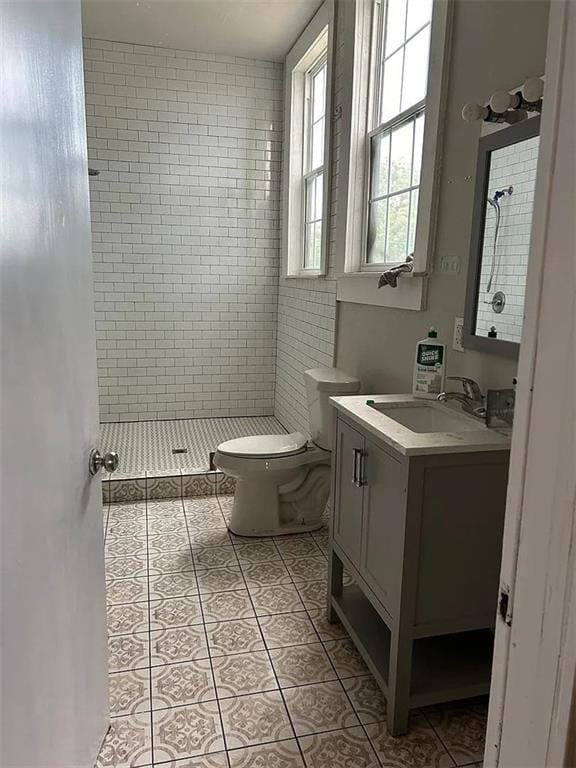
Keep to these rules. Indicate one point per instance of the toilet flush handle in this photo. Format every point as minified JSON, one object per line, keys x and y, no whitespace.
{"x":109,"y":461}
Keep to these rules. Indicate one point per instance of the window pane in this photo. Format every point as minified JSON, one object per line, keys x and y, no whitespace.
{"x":419,"y":13}
{"x":397,"y":228}
{"x":377,"y":231}
{"x":313,"y":245}
{"x":415,"y":69}
{"x":395,"y":25}
{"x":318,"y":196}
{"x":418,"y":143}
{"x":309,"y":201}
{"x":413,"y":217}
{"x":317,"y":153}
{"x":319,"y":102}
{"x":380,"y":164}
{"x":391,"y":87}
{"x":401,"y":157}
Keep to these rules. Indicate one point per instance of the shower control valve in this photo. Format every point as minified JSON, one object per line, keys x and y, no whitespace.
{"x":109,"y":461}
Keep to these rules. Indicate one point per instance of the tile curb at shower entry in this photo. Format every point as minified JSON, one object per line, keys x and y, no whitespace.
{"x":168,"y":484}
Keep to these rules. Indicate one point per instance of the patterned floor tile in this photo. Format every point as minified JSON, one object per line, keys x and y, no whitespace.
{"x":125,"y":547}
{"x":346,"y":658}
{"x":128,"y":652}
{"x":129,"y":692}
{"x":280,"y":598}
{"x":320,"y":707}
{"x":127,"y":743}
{"x":126,"y":567}
{"x":165,"y":508}
{"x":340,"y":749}
{"x":175,"y":541}
{"x":200,"y":504}
{"x":126,"y":591}
{"x":243,"y":673}
{"x":367,"y":698}
{"x":462,"y":728}
{"x":224,"y":606}
{"x":187,"y":731}
{"x":214,"y":557}
{"x":285,"y":629}
{"x":258,"y":552}
{"x":325,"y":629}
{"x":282,"y":754}
{"x":220,"y":580}
{"x":175,"y":612}
{"x":205,"y":521}
{"x":419,"y":748}
{"x":313,"y":594}
{"x":171,"y":562}
{"x":215,"y":760}
{"x":127,"y":619}
{"x":169,"y":585}
{"x":157,"y":523}
{"x":200,"y":539}
{"x":182,"y":644}
{"x":239,"y":636}
{"x":128,"y":511}
{"x":302,"y":664}
{"x":178,"y":684}
{"x":292,"y":547}
{"x":265,"y":574}
{"x":121,"y":527}
{"x":255,"y":719}
{"x":306,"y":569}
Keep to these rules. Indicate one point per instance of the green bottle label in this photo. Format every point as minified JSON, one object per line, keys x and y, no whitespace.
{"x":430,"y":355}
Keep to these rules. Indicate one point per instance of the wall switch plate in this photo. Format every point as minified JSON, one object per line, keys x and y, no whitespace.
{"x":457,"y":337}
{"x":450,"y":265}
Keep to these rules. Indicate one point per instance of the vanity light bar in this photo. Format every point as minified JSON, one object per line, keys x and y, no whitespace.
{"x":506,"y":107}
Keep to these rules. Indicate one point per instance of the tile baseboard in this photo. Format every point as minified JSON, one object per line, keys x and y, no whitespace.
{"x":171,"y":484}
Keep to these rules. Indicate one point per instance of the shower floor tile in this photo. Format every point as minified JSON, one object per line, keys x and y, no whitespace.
{"x":147,"y":446}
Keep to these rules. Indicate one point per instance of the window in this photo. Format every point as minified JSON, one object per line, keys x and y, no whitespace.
{"x":401,"y":46}
{"x":313,"y":154}
{"x":307,"y":147}
{"x":394,"y":86}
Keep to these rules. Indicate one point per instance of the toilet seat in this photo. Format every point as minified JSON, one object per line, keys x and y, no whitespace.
{"x":264,"y":446}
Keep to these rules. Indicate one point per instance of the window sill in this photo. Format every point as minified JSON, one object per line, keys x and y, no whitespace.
{"x":308,"y":275}
{"x":409,"y":294}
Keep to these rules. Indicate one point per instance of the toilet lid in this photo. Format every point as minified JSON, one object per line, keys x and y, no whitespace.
{"x":264,"y":446}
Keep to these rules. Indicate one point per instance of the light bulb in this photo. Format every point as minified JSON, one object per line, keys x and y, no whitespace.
{"x":502,"y":101}
{"x":472,"y":112}
{"x":533,"y":89}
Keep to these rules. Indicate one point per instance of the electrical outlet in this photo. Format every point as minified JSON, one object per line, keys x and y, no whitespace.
{"x":450,"y":265}
{"x":457,"y":337}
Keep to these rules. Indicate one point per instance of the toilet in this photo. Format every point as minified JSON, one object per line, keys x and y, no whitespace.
{"x":283,"y":481}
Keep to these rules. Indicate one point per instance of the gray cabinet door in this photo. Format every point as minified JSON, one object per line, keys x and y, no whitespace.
{"x":384,"y":518}
{"x":348,"y":494}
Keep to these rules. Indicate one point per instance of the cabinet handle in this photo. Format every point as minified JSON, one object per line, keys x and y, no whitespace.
{"x":358,"y":467}
{"x":362,"y":476}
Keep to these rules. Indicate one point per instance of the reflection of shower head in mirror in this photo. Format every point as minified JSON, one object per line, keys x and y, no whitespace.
{"x":494,"y":201}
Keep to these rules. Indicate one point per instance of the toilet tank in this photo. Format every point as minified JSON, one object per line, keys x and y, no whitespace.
{"x":321,"y":385}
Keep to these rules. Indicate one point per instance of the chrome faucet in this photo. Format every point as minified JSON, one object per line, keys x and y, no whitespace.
{"x":471,"y":399}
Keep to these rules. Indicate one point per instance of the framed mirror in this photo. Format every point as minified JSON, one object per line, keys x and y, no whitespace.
{"x":500,"y":242}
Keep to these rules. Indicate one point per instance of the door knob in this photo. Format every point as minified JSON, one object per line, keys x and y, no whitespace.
{"x":109,"y":461}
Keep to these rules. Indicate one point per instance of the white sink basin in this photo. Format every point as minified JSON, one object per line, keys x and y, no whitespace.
{"x":429,"y":417}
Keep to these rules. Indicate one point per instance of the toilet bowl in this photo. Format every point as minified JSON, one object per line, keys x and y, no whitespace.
{"x":283,"y":481}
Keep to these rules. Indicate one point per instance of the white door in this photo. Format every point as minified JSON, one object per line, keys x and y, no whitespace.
{"x":531,"y":722}
{"x":53,"y":653}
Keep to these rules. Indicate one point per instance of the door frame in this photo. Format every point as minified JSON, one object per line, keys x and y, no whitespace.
{"x":532,"y":693}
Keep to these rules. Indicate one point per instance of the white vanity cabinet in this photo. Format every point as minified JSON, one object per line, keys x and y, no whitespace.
{"x":420,"y":537}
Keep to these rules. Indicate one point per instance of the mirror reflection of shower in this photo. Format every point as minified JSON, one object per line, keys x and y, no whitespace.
{"x":498,"y":301}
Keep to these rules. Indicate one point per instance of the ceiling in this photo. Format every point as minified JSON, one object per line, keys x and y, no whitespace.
{"x":258,"y":29}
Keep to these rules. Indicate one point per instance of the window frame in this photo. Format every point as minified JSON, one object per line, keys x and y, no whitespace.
{"x":355,"y":283}
{"x":309,"y":173}
{"x":307,"y":53}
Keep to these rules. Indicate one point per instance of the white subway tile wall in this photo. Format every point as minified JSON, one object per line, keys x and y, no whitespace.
{"x":185,"y":223}
{"x":512,"y":166}
{"x":307,"y":306}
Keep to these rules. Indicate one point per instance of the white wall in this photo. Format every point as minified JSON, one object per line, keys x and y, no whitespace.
{"x":377,"y":343}
{"x":185,"y":229}
{"x":510,"y":166}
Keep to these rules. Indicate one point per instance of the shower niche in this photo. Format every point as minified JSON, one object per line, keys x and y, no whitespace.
{"x":500,"y":241}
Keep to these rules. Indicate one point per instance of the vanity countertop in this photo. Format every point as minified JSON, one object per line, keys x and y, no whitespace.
{"x":410,"y":443}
